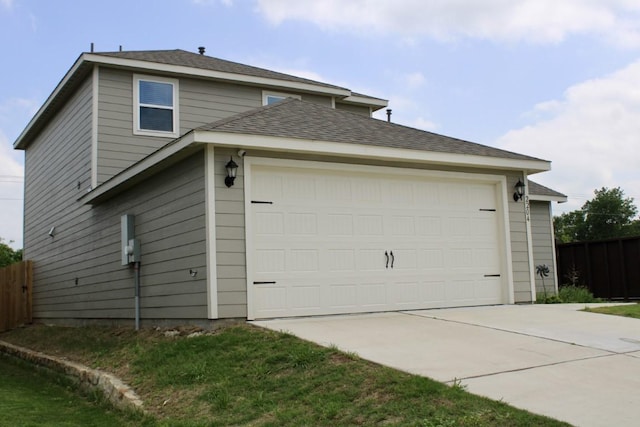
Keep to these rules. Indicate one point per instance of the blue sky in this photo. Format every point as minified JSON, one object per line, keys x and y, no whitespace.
{"x":559,"y":80}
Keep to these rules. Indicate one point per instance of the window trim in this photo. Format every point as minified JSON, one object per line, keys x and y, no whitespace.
{"x":137,"y":78}
{"x":283,"y":95}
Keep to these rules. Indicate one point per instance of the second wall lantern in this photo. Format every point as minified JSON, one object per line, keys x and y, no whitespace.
{"x":232,"y":169}
{"x":519,"y":191}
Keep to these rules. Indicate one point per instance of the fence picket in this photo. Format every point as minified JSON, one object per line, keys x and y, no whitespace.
{"x":16,"y":285}
{"x":608,"y":268}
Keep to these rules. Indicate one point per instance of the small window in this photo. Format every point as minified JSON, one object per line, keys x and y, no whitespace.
{"x":155,"y":108}
{"x":269,"y":98}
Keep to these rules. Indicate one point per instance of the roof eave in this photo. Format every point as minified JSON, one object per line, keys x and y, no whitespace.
{"x":159,"y":160}
{"x":192,"y":141}
{"x":342,"y":149}
{"x":547,"y":198}
{"x":374,"y":103}
{"x":90,"y":59}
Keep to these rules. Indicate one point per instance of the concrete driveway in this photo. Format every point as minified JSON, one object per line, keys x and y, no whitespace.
{"x":579,"y":367}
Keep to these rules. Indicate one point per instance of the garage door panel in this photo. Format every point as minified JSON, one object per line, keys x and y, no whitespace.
{"x":341,"y":260}
{"x":429,"y":226}
{"x":301,"y":223}
{"x":433,"y":293}
{"x":366,"y":191}
{"x":369,"y":225}
{"x":432,"y":258}
{"x":270,"y":300}
{"x":339,"y":224}
{"x":269,"y":261}
{"x":371,"y":260}
{"x":303,"y":260}
{"x":342,"y":296}
{"x":268,"y":223}
{"x":406,"y":294}
{"x":403,"y":225}
{"x":405,"y":259}
{"x":372,"y":296}
{"x":323,"y":240}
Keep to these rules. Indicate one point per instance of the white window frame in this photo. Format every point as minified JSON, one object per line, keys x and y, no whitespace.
{"x":136,"y":106}
{"x":266,"y":94}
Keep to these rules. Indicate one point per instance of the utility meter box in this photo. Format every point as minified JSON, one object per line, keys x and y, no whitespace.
{"x":128,"y":241}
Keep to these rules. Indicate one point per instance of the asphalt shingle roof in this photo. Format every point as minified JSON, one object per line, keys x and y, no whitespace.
{"x":541,"y":190}
{"x":293,"y":118}
{"x":204,"y":62}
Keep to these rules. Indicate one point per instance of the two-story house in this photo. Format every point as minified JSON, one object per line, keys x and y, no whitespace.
{"x":173,"y":187}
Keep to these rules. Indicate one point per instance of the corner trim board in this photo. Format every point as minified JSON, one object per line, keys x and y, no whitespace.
{"x":94,"y":125}
{"x":210,"y":219}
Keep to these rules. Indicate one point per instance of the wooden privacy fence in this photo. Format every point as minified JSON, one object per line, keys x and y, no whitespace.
{"x":16,"y":284}
{"x":609,"y":268}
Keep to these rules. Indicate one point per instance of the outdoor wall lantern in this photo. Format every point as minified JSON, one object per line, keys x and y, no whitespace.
{"x":519,"y":191}
{"x":232,"y":169}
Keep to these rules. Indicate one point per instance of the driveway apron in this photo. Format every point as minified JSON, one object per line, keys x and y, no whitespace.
{"x":582,"y":368}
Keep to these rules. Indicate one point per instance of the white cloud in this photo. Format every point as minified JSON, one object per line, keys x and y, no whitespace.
{"x":424,"y":124}
{"x":15,"y":113}
{"x":7,"y":3}
{"x":11,"y":193}
{"x":414,"y":80}
{"x":536,"y":21}
{"x":592,"y":136}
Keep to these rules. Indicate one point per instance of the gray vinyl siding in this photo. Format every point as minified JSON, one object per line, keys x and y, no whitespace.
{"x":84,"y":278}
{"x":200,"y":102}
{"x":358,"y":109}
{"x":543,"y":244}
{"x":230,"y":239}
{"x":317,"y":99}
{"x":56,"y":161}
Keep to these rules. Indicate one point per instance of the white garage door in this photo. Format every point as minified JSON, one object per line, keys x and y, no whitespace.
{"x":336,"y":241}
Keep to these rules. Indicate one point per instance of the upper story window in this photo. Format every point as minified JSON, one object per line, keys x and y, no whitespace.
{"x":269,"y":98}
{"x":155,"y":107}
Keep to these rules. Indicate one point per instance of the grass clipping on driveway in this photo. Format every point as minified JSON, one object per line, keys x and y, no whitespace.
{"x":244,"y":375}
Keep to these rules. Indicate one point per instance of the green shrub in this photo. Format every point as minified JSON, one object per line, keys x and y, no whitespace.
{"x":568,"y":294}
{"x":576,"y":294}
{"x":541,"y":298}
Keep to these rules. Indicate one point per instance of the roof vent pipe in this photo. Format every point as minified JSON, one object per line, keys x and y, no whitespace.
{"x":91,"y":47}
{"x":201,"y":50}
{"x":389,"y":115}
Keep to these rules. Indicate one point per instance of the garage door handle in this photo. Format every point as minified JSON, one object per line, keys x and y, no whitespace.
{"x":386,"y":255}
{"x":491,"y":275}
{"x":392,"y":259}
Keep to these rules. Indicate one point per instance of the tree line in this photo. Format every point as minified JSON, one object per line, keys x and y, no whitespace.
{"x":608,"y":215}
{"x":8,"y":255}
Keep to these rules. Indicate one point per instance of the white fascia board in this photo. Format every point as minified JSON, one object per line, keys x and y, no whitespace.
{"x":138,"y":168}
{"x":19,"y":143}
{"x":216,"y":75}
{"x":547,"y":198}
{"x":292,"y":145}
{"x":365,"y":100}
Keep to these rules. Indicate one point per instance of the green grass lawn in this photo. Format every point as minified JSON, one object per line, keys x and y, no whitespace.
{"x":30,"y":397}
{"x":243,"y":375}
{"x":618,"y":310}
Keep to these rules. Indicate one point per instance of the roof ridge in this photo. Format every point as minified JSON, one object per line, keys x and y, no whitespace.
{"x":198,"y":60}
